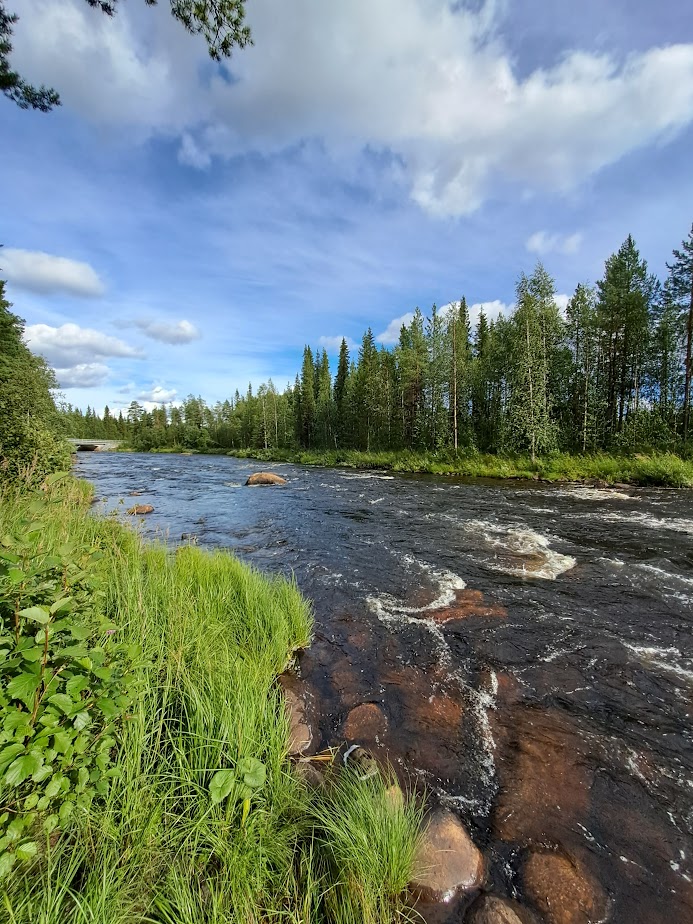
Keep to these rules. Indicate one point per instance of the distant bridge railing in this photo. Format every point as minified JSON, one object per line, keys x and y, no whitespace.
{"x":95,"y":445}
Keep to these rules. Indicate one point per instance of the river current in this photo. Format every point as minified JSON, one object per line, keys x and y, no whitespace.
{"x":529,"y":646}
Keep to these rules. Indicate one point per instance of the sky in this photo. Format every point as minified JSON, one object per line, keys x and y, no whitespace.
{"x":180,"y":226}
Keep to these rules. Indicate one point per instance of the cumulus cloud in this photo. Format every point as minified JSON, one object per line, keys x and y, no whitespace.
{"x":430,"y":82}
{"x":543,"y":242}
{"x":390,"y":335}
{"x":157,"y":395}
{"x":333,"y":344}
{"x":83,"y":375}
{"x":46,"y":273}
{"x":173,"y":332}
{"x":71,"y":345}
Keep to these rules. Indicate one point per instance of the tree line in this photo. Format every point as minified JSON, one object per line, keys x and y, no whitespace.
{"x":613,"y":373}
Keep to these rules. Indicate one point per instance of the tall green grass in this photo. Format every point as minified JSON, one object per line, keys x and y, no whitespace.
{"x":215,"y":635}
{"x":663,"y":468}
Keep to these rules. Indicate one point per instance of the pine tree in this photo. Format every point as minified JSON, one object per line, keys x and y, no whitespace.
{"x":340,"y":394}
{"x":307,"y":399}
{"x":681,"y":288}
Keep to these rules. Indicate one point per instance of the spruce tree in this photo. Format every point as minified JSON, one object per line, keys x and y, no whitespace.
{"x":681,"y":288}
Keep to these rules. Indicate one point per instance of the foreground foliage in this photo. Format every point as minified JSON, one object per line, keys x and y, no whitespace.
{"x":203,"y":819}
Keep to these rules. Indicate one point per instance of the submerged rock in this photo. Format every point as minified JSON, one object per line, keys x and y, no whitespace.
{"x":563,"y":889}
{"x":140,"y":509}
{"x":494,"y":910}
{"x":366,"y":722}
{"x":265,"y":478}
{"x":447,"y":860}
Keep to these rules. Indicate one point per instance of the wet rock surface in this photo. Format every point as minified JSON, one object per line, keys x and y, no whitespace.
{"x":367,"y":723}
{"x":447,"y":861}
{"x":265,"y":478}
{"x":563,"y":890}
{"x":140,"y":510}
{"x":490,"y":909}
{"x":297,"y":699}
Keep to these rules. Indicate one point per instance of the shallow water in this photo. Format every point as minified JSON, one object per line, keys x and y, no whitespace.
{"x":529,"y":645}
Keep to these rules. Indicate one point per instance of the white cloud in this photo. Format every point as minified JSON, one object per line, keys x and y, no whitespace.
{"x":390,"y":335}
{"x":173,"y":332}
{"x":562,"y":302}
{"x":44,"y":272}
{"x":83,"y":375}
{"x":543,"y":242}
{"x":491,"y":310}
{"x":157,"y":395}
{"x":71,"y":345}
{"x":333,"y":344}
{"x":428,"y":81}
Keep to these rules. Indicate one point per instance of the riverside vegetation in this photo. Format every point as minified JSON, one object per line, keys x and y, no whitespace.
{"x":144,"y":767}
{"x":143,"y":764}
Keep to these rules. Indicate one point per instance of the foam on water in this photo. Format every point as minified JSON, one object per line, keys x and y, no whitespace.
{"x":637,"y":518}
{"x":670,"y":660}
{"x":520,"y":551}
{"x":593,"y":494}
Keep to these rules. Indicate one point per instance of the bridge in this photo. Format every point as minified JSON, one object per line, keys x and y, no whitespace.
{"x":94,"y":445}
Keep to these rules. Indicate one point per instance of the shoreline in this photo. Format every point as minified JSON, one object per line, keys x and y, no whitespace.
{"x":600,"y":470}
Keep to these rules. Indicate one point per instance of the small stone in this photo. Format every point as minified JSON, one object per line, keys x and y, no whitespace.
{"x":367,"y":722}
{"x":140,"y":509}
{"x":493,"y":910}
{"x":300,"y":734}
{"x":447,"y":861}
{"x":135,"y":494}
{"x":563,"y":889}
{"x":311,"y":774}
{"x":265,"y":478}
{"x":360,"y":761}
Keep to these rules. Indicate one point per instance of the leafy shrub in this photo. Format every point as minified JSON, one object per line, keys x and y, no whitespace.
{"x":65,"y":683}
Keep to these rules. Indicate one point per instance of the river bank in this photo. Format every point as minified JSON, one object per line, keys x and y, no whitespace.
{"x":655,"y":469}
{"x":190,"y":811}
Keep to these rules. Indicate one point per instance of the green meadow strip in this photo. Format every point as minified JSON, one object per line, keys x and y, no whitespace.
{"x":663,"y":469}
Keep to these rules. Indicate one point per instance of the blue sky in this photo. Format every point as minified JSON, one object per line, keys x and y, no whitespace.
{"x":178,"y":226}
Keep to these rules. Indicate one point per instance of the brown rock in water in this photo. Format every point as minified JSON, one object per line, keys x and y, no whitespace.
{"x":563,"y":889}
{"x":135,"y":493}
{"x":544,"y":777}
{"x":467,"y":603}
{"x":265,"y":478}
{"x":365,"y":723}
{"x":300,"y":735}
{"x":493,"y":910}
{"x":447,"y":861}
{"x":140,"y":509}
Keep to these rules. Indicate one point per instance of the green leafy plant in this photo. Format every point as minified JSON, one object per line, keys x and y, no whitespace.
{"x":66,"y":681}
{"x":239,"y":784}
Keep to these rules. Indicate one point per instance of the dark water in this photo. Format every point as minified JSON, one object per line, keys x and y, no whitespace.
{"x":529,"y":645}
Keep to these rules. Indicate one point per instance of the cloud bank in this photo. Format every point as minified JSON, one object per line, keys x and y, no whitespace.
{"x":431,"y":86}
{"x":47,"y":274}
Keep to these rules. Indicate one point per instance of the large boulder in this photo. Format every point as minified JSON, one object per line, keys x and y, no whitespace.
{"x":265,"y":478}
{"x":563,"y":889}
{"x":447,"y":860}
{"x":140,"y":509}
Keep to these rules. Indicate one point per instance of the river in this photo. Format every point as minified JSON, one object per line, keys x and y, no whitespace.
{"x":529,"y":646}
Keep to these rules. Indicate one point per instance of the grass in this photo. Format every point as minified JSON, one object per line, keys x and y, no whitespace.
{"x":215,"y":635}
{"x":657,"y":468}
